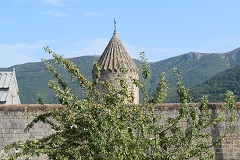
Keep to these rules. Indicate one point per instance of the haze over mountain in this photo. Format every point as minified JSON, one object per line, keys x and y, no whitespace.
{"x":196,"y":68}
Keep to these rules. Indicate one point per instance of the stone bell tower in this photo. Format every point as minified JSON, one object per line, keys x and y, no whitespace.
{"x":115,"y":55}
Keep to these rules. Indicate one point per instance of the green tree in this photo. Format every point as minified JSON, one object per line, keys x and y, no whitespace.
{"x":108,"y":126}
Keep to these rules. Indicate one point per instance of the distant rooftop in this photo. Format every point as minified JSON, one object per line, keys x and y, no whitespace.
{"x":8,"y":88}
{"x":5,"y":79}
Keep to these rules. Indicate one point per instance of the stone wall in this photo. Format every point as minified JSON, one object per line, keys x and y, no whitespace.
{"x":14,"y":118}
{"x":229,"y":149}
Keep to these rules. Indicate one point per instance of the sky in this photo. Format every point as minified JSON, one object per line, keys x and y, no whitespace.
{"x":73,"y":28}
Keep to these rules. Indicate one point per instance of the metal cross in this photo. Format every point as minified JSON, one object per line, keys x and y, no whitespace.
{"x":114,"y":25}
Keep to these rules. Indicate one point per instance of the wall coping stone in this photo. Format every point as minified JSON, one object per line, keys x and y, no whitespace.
{"x":39,"y":107}
{"x":27,"y":107}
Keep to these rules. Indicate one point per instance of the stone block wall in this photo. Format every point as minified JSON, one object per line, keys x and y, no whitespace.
{"x":14,"y":118}
{"x":229,"y":149}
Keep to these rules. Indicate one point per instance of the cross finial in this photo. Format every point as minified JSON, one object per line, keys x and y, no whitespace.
{"x":114,"y":25}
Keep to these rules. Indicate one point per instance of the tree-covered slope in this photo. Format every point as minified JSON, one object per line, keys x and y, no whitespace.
{"x":33,"y":79}
{"x":195,"y":67}
{"x":216,"y":86}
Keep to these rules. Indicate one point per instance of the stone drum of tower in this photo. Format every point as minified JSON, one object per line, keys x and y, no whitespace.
{"x":113,"y":56}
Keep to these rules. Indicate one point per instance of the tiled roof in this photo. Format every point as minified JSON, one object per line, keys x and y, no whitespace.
{"x":5,"y":80}
{"x":115,"y":54}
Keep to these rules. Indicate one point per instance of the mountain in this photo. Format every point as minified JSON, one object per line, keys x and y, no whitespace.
{"x":33,"y":79}
{"x":195,"y":67}
{"x":216,"y":86}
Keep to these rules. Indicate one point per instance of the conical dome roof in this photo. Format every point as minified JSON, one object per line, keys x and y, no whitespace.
{"x":115,"y":54}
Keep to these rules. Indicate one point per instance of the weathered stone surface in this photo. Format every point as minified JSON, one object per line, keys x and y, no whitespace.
{"x":14,"y":119}
{"x":112,"y":58}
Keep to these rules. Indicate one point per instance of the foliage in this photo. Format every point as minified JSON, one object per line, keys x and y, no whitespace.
{"x":108,"y":126}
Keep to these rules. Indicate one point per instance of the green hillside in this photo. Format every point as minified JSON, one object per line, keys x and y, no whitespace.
{"x":216,"y":86}
{"x":195,"y":67}
{"x":33,"y":79}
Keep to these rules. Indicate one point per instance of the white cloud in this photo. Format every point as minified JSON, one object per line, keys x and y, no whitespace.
{"x":19,"y":53}
{"x":22,"y":2}
{"x":93,"y":14}
{"x":5,"y":21}
{"x":97,"y":14}
{"x":54,"y":2}
{"x":58,"y":3}
{"x":53,"y":13}
{"x":12,"y":54}
{"x":51,"y":2}
{"x":84,"y":47}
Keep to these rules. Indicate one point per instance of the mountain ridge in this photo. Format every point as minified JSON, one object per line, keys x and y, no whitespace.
{"x":196,"y":68}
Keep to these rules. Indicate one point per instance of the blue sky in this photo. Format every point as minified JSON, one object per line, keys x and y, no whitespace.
{"x":72,"y":28}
